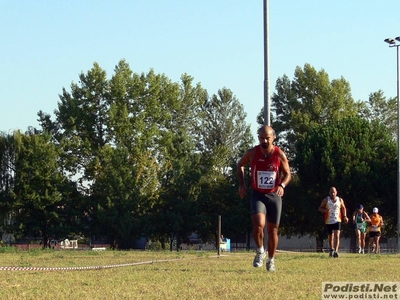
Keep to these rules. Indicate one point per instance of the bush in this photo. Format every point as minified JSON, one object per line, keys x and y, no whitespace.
{"x":154,"y":245}
{"x":8,"y":249}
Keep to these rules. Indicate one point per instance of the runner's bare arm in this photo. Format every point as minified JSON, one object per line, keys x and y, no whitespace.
{"x":243,"y":161}
{"x":287,"y":176}
{"x":322,"y":208}
{"x":343,"y":210}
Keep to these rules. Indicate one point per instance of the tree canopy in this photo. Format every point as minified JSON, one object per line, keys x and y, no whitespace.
{"x":141,"y":145}
{"x":356,"y":156}
{"x":332,"y":140}
{"x":138,"y":155}
{"x":310,"y":99}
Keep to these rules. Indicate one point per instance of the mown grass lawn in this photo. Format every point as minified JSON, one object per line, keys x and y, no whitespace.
{"x":183,"y":275}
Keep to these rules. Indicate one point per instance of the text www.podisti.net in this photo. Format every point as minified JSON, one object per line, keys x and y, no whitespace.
{"x":360,"y":290}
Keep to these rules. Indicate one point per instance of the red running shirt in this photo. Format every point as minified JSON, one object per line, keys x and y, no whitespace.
{"x":266,"y":171}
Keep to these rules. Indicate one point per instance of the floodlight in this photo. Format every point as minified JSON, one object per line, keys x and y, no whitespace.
{"x":393,"y":44}
{"x":390,"y":41}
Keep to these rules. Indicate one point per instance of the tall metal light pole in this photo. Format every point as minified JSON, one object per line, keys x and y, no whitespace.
{"x":395,"y":43}
{"x":266,"y":68}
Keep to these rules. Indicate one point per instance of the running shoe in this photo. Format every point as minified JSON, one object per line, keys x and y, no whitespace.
{"x":259,"y":259}
{"x":335,"y":254}
{"x":271,"y":266}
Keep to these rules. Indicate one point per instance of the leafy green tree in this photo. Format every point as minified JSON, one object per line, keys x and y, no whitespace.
{"x":80,"y":125}
{"x":225,"y":137}
{"x":133,"y":126}
{"x":119,"y":197}
{"x":224,"y":131}
{"x":181,"y":166}
{"x":220,"y":198}
{"x":206,"y":136}
{"x":7,"y":171}
{"x":356,"y":156}
{"x":310,"y":99}
{"x":178,"y":203}
{"x":378,"y":108}
{"x":312,"y":103}
{"x":101,"y":123}
{"x":139,"y":145}
{"x":37,"y":200}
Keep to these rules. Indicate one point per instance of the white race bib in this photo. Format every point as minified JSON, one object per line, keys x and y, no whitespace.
{"x":374,"y":228}
{"x":334,"y":215}
{"x":266,"y":179}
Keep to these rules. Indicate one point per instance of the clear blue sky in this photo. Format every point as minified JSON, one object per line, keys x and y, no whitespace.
{"x":45,"y":45}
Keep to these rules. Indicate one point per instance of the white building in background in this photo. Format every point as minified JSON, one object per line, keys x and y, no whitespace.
{"x":308,"y":243}
{"x":300,"y":244}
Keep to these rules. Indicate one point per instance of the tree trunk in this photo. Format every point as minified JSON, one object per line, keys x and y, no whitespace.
{"x":248,"y":237}
{"x":353,"y":242}
{"x":178,"y":243}
{"x":162,"y":241}
{"x":320,"y":242}
{"x":46,"y":241}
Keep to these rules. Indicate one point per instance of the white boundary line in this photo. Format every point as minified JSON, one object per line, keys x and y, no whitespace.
{"x":117,"y":265}
{"x":82,"y":268}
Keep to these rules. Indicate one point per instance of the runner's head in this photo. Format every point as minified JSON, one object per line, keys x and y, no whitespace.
{"x":333,"y":193}
{"x":266,"y":136}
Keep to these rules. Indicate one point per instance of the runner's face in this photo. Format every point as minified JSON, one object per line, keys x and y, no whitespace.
{"x":333,"y":193}
{"x":266,"y":139}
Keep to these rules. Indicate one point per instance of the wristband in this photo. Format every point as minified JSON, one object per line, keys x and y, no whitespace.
{"x":282,"y":185}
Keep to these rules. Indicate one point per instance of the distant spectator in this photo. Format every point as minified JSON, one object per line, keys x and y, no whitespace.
{"x":222,"y":240}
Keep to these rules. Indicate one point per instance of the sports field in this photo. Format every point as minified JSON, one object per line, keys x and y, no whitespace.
{"x":71,"y":274}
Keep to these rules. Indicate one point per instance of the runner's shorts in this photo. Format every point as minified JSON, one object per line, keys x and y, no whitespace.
{"x":331,"y":227}
{"x":269,"y":204}
{"x":374,"y":234}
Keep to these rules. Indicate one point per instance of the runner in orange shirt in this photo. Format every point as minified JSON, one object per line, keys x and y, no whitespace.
{"x":376,"y":224}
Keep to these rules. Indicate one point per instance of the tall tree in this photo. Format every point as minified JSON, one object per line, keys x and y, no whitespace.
{"x":356,"y":156}
{"x":101,"y":123}
{"x":36,"y":196}
{"x":224,"y":131}
{"x":180,"y":161}
{"x":225,"y":136}
{"x":120,"y":196}
{"x":80,"y":125}
{"x":139,"y":145}
{"x":311,"y":98}
{"x":378,"y":108}
{"x":7,"y":172}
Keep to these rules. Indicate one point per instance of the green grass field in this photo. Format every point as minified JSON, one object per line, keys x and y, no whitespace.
{"x":183,"y":275}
